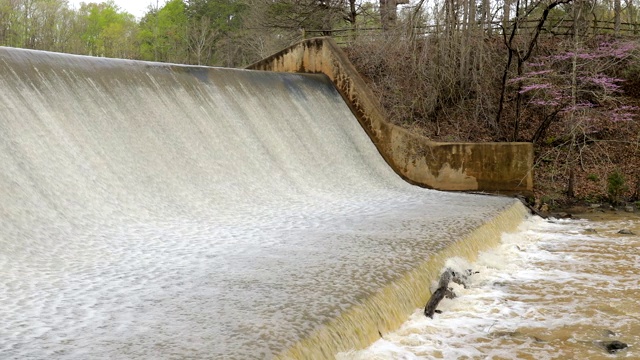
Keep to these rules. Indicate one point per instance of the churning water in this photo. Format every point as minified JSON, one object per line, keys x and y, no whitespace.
{"x":155,"y":211}
{"x":553,"y":290}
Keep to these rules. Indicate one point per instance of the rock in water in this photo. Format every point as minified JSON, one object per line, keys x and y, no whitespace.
{"x":613,"y":346}
{"x":563,"y":215}
{"x":462,"y":278}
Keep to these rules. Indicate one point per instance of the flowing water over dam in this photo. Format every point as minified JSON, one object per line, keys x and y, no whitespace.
{"x":155,"y":211}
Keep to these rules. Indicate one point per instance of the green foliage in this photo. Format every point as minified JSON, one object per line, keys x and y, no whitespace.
{"x":592,"y":177}
{"x":105,"y":30}
{"x":163,"y":33}
{"x":592,"y":198}
{"x":225,"y":19}
{"x":616,"y":187}
{"x":190,"y":32}
{"x":224,"y":15}
{"x":298,"y":14}
{"x":204,"y":32}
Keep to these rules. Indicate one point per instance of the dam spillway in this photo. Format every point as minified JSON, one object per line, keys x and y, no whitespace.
{"x":162,"y":211}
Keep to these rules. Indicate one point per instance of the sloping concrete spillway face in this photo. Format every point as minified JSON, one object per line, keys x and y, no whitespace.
{"x":157,"y":211}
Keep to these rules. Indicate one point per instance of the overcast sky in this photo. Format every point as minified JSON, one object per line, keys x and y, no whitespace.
{"x":136,"y":7}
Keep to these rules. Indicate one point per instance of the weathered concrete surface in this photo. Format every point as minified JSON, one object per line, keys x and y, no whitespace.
{"x":490,"y":167}
{"x":153,"y":211}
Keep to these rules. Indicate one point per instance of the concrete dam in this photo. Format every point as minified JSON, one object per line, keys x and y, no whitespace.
{"x":157,"y":211}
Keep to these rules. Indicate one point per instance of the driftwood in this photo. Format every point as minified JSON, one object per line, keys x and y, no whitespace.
{"x":439,"y":294}
{"x":444,"y":290}
{"x":531,"y":208}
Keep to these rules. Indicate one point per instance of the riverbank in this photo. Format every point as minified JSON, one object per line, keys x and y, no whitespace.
{"x":594,"y":212}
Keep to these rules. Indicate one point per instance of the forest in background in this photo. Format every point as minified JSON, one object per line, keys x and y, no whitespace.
{"x":562,"y":74}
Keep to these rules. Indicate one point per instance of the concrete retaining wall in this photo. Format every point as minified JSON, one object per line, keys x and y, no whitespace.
{"x":490,"y":167}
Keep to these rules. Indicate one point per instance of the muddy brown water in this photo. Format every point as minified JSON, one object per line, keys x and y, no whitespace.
{"x":556,"y":289}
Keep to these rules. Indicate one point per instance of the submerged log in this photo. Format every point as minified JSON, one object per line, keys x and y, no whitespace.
{"x":439,"y":294}
{"x":444,"y":290}
{"x":531,"y":208}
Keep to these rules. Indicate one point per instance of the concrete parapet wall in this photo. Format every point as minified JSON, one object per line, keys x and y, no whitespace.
{"x":490,"y":167}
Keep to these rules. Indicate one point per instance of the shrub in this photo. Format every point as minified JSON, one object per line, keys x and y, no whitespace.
{"x":616,"y":187}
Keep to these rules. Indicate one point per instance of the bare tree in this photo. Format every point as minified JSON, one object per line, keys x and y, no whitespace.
{"x":506,"y":14}
{"x":521,"y":55}
{"x":201,"y":35}
{"x":389,"y":12}
{"x":617,"y":9}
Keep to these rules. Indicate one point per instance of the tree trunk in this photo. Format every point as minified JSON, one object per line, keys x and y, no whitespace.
{"x":636,"y":193}
{"x":388,"y":14}
{"x":506,"y":14}
{"x":505,"y":74}
{"x":486,"y":16}
{"x":516,"y":125}
{"x":616,"y":11}
{"x":443,"y":290}
{"x":465,"y":42}
{"x":631,"y":13}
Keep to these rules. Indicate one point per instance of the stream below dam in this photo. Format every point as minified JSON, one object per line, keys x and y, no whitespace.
{"x":555,"y":289}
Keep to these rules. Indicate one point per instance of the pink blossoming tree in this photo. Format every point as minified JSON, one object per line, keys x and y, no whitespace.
{"x":576,"y":86}
{"x":577,"y":89}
